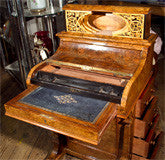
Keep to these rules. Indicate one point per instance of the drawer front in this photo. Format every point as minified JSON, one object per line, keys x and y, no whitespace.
{"x":155,"y":145}
{"x":143,"y":129}
{"x":140,"y":128}
{"x":140,"y":147}
{"x":145,"y":122}
{"x":144,"y":98}
{"x":152,"y":128}
{"x":145,"y":149}
{"x":150,"y":110}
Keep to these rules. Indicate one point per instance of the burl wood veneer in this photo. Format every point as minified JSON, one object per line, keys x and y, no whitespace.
{"x":109,"y":45}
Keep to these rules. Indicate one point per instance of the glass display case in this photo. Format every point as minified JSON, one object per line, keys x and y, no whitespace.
{"x":25,"y":23}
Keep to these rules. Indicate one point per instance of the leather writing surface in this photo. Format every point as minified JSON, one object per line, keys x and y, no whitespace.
{"x":83,"y":108}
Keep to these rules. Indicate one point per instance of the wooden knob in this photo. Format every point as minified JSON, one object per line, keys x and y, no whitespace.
{"x":152,"y":142}
{"x":152,"y":90}
{"x":150,"y":124}
{"x":147,"y":102}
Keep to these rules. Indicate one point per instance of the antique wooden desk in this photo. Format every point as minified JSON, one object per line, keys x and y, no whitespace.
{"x":96,"y":90}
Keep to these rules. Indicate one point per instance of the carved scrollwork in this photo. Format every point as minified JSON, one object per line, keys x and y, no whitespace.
{"x":134,"y":24}
{"x":73,"y":20}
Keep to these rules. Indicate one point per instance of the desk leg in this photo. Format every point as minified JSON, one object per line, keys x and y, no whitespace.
{"x":57,"y":151}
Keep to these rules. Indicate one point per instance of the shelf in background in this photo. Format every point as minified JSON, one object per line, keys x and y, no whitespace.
{"x":8,"y":40}
{"x":13,"y":70}
{"x":13,"y":66}
{"x":50,"y":11}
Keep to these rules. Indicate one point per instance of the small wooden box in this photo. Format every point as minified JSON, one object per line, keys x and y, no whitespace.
{"x":120,"y":21}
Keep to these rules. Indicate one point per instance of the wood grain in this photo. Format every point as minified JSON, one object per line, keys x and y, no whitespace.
{"x":108,"y":8}
{"x":138,"y":82}
{"x":127,"y":59}
{"x":140,"y":147}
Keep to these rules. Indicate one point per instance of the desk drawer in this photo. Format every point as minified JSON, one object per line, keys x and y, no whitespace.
{"x":148,"y":119}
{"x":144,"y":99}
{"x":141,"y":128}
{"x":140,"y":147}
{"x":145,"y":149}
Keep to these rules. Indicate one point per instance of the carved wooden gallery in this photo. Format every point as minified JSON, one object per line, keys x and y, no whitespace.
{"x":96,"y":91}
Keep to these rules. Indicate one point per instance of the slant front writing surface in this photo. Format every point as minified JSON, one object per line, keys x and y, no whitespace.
{"x":58,"y":113}
{"x":83,"y":108}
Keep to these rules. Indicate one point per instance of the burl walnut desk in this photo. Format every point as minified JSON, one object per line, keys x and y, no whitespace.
{"x":95,"y":92}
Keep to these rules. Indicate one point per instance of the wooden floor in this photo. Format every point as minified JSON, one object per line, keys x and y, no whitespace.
{"x":22,"y":141}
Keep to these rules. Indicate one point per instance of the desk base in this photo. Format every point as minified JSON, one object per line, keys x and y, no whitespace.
{"x":112,"y":146}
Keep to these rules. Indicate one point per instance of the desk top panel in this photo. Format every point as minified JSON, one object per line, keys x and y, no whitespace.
{"x":79,"y":107}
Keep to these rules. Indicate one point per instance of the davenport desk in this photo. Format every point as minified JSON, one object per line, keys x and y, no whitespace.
{"x":96,"y":91}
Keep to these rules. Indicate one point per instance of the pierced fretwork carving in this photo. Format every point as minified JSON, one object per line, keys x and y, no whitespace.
{"x":134,"y":24}
{"x":73,"y":19}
